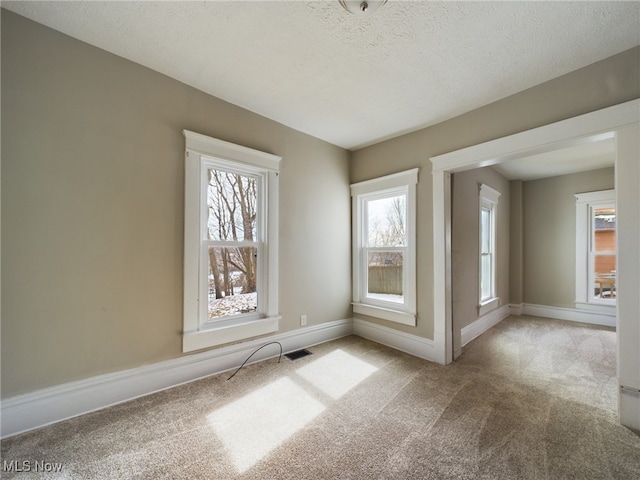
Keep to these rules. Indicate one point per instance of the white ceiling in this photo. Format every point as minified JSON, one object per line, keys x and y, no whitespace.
{"x":351,"y":80}
{"x":571,"y":159}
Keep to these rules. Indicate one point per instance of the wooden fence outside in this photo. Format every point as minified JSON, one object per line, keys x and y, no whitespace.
{"x":385,"y":279}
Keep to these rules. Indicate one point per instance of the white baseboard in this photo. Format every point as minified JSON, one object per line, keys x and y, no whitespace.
{"x":629,"y":408}
{"x":484,"y":323}
{"x":571,"y":314}
{"x":516,"y":309}
{"x":51,"y":405}
{"x":405,"y":342}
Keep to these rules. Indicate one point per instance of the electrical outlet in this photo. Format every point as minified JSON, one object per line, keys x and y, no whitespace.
{"x":303,"y":320}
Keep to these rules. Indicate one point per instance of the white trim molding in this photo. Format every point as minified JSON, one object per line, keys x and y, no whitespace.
{"x":627,"y":179}
{"x":587,"y":128}
{"x":385,"y":313}
{"x":405,"y":342}
{"x":393,"y":180}
{"x":488,"y":306}
{"x":491,"y":194}
{"x":50,"y":405}
{"x":571,"y":314}
{"x":484,"y":323}
{"x":220,"y":149}
{"x":516,"y":309}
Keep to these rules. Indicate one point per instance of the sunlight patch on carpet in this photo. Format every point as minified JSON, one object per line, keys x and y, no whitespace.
{"x":259,"y":422}
{"x":336,"y":373}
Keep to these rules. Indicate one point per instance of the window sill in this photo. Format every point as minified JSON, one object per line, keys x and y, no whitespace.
{"x":487,"y":306}
{"x":212,"y":337}
{"x":385,"y":314}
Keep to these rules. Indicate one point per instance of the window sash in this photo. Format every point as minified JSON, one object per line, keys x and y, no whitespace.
{"x":261,"y":194}
{"x":258,"y":225}
{"x":366,"y":199}
{"x":486,"y":243}
{"x":486,"y":277}
{"x":204,"y":320}
{"x":376,"y":298}
{"x":593,"y":275}
{"x":223,"y":166}
{"x":396,"y":239}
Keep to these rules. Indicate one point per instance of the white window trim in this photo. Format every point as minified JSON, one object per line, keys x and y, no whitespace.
{"x":406,"y":313}
{"x":488,"y":198}
{"x":197,"y":332}
{"x":584,"y":203}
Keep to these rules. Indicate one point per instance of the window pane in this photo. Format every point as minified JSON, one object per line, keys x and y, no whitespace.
{"x":232,"y":206}
{"x":385,"y":276}
{"x":604,"y":240}
{"x":605,"y":265}
{"x":386,"y":220}
{"x":485,"y":241}
{"x":485,"y":277}
{"x":232,"y":281}
{"x":605,"y":276}
{"x":605,"y":229}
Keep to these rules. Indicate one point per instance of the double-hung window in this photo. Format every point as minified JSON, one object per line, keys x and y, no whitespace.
{"x":384,"y":232}
{"x":596,"y":252}
{"x":230,"y":251}
{"x":487,"y":266}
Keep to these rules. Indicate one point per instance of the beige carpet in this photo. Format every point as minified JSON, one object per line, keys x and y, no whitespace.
{"x":530,"y":399}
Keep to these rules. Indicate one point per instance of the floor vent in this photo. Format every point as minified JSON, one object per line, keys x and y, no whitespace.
{"x":298,"y":354}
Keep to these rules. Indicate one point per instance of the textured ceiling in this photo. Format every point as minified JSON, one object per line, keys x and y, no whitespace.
{"x":346,"y":79}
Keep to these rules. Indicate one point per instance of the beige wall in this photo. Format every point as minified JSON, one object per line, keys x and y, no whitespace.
{"x":465,"y":234}
{"x":609,"y":82}
{"x":549,"y":212}
{"x":92,"y":209}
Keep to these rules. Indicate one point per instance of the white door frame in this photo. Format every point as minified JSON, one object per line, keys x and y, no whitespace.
{"x":623,"y":121}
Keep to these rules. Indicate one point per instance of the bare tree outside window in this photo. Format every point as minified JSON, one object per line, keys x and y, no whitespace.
{"x":387,"y":222}
{"x":232,"y":201}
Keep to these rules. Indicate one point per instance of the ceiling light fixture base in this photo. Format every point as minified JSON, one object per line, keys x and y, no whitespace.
{"x":362,"y":7}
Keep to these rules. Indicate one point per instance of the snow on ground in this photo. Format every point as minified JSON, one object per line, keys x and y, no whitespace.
{"x":387,"y":297}
{"x":248,"y":302}
{"x":232,"y":305}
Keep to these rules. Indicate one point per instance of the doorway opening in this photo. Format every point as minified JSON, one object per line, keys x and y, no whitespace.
{"x":621,"y":121}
